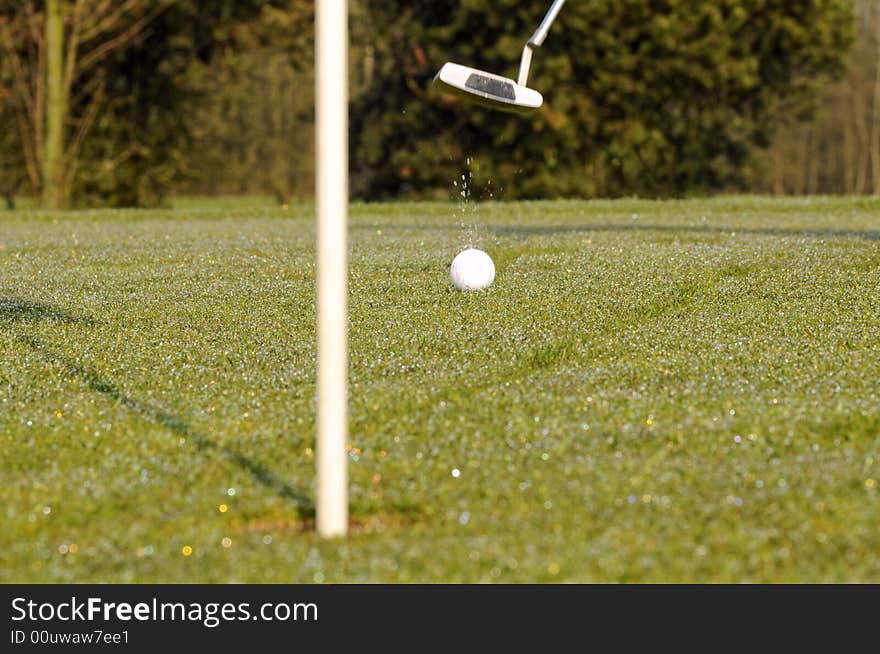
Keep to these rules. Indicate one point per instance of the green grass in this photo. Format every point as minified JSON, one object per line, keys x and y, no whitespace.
{"x":682,"y":391}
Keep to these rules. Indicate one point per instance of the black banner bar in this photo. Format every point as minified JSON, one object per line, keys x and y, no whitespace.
{"x":146,"y":618}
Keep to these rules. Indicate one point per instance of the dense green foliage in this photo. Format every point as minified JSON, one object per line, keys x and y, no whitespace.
{"x":163,"y":121}
{"x":252,"y":124}
{"x":648,"y":97}
{"x":12,"y":164}
{"x":152,"y":139}
{"x":651,"y":97}
{"x":682,"y":391}
{"x":836,"y":149}
{"x":12,"y":171}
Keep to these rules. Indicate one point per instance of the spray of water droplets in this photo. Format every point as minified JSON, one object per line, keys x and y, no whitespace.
{"x":468,"y":206}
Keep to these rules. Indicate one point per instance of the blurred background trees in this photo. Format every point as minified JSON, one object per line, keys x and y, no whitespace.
{"x":145,"y":94}
{"x":643,"y":97}
{"x":836,"y":147}
{"x":54,"y":58}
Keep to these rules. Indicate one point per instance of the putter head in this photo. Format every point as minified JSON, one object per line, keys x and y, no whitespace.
{"x":486,"y":89}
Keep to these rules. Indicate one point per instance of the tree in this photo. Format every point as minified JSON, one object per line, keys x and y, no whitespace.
{"x":252,"y":128}
{"x":108,"y":94}
{"x":12,"y":168}
{"x":58,"y":81}
{"x":56,"y":107}
{"x":651,"y":97}
{"x":648,"y":97}
{"x":833,"y":149}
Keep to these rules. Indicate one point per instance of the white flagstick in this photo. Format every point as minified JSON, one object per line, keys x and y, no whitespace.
{"x":332,"y":197}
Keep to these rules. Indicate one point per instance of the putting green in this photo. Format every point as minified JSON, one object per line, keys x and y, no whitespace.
{"x":678,"y":391}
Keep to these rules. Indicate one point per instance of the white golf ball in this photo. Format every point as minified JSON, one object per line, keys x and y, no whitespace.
{"x":472,"y":270}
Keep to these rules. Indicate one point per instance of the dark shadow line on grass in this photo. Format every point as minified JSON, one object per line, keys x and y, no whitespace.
{"x":22,"y":311}
{"x":14,"y":310}
{"x":507,"y":230}
{"x":546,"y":230}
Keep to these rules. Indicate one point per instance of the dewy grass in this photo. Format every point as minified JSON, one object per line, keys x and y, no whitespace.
{"x":678,"y":391}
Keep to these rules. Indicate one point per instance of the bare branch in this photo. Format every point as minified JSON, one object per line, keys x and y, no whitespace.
{"x":108,"y":21}
{"x":31,"y":160}
{"x":72,"y":46}
{"x":105,"y":49}
{"x":19,"y":76}
{"x":125,"y":155}
{"x":85,"y":125}
{"x":87,"y":89}
{"x":40,"y":95}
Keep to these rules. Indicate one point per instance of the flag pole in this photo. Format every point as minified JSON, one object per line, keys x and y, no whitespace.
{"x":332,"y":284}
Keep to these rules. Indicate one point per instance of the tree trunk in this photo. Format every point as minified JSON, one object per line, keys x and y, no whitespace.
{"x":875,"y":124}
{"x":850,"y":150}
{"x":864,"y":140}
{"x":779,"y":164}
{"x":56,"y":109}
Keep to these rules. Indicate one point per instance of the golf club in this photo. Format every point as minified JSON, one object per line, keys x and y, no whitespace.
{"x":495,"y":91}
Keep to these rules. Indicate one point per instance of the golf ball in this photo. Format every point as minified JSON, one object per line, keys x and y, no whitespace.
{"x":472,"y":270}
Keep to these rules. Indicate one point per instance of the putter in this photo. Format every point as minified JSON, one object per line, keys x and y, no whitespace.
{"x":495,"y":91}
